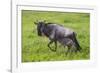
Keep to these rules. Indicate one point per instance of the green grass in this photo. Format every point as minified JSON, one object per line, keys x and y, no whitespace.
{"x":34,"y":48}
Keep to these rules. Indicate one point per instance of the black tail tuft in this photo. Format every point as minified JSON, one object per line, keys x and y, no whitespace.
{"x":76,"y":42}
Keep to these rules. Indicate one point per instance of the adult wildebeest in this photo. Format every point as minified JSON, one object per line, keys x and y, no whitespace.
{"x":58,"y":33}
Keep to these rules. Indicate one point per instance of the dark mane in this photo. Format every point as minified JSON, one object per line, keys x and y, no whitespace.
{"x":53,"y":23}
{"x":50,"y":23}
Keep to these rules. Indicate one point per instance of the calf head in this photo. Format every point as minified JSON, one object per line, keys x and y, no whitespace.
{"x":40,"y":25}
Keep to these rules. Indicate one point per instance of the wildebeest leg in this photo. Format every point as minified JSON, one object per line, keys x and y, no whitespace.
{"x":76,"y":43}
{"x":49,"y":45}
{"x":55,"y":45}
{"x":68,"y":50}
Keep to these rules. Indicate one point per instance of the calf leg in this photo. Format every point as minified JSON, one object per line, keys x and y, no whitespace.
{"x":68,"y":51}
{"x":50,"y":44}
{"x":55,"y":45}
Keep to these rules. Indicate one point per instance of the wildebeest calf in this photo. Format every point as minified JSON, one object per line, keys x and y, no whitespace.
{"x":58,"y":33}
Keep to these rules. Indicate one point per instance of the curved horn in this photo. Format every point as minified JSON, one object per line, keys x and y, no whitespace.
{"x":36,"y":22}
{"x":44,"y":21}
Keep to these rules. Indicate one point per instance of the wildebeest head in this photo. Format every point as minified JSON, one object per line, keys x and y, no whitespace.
{"x":40,"y":25}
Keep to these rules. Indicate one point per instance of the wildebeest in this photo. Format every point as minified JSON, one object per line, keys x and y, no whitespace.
{"x":58,"y":33}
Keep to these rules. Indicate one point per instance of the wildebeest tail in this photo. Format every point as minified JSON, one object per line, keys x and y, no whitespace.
{"x":76,"y":42}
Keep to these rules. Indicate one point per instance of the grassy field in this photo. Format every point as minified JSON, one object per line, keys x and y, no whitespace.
{"x":34,"y":48}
